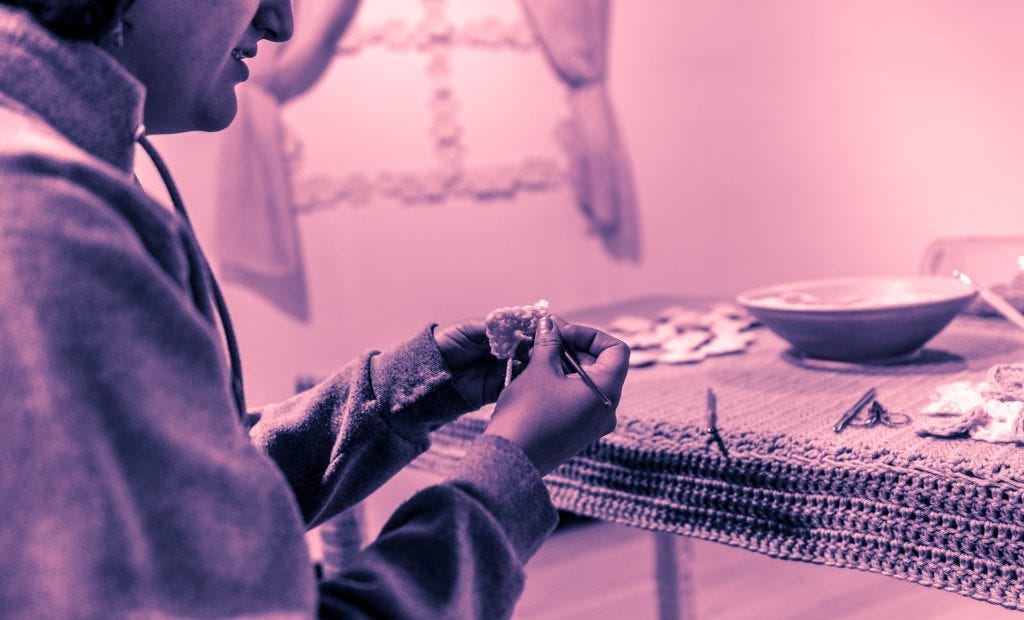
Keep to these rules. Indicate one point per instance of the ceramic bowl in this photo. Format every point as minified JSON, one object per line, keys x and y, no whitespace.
{"x":859,"y":319}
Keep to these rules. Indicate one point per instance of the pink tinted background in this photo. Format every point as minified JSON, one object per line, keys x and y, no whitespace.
{"x":770,"y":141}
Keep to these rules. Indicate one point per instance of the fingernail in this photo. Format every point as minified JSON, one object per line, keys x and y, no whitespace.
{"x":544,"y":324}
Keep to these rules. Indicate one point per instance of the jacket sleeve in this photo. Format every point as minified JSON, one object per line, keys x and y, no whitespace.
{"x":454,"y":550}
{"x":340,"y":440}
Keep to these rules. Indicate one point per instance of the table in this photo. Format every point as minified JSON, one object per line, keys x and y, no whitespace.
{"x":946,"y":513}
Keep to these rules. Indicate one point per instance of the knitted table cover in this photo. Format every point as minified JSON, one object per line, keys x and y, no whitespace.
{"x":947,"y":513}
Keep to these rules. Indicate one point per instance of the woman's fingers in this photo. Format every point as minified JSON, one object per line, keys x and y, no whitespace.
{"x":585,"y":339}
{"x":604,"y":352}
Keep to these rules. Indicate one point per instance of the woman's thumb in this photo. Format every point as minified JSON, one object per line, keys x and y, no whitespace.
{"x":547,"y":343}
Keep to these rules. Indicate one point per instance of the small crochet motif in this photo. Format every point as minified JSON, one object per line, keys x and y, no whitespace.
{"x":681,"y":335}
{"x":992,"y":410}
{"x":507,"y":327}
{"x":1005,"y":382}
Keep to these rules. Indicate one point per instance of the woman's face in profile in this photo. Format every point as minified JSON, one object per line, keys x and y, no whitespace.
{"x":189,"y":54}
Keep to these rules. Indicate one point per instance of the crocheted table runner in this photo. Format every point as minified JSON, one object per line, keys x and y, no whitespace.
{"x":940,"y":512}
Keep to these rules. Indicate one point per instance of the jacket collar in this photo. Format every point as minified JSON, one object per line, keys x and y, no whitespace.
{"x":75,"y":86}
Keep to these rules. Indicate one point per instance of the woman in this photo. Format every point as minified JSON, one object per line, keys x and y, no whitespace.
{"x":133,"y":480}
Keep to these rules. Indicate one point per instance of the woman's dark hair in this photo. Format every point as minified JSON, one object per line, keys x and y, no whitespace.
{"x":85,"y":20}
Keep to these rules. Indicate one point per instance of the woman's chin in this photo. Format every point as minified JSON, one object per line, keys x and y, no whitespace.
{"x":217,"y":115}
{"x":211,"y":116}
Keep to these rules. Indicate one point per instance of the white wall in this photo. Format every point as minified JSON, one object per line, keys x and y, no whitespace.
{"x":770,"y":141}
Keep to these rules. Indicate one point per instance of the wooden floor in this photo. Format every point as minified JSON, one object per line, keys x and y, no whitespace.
{"x":607,"y":571}
{"x":600,"y":571}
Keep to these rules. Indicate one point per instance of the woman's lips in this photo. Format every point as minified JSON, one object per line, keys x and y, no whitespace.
{"x":243,"y":71}
{"x":239,"y":57}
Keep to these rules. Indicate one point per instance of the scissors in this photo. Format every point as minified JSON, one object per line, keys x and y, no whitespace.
{"x":877,"y":414}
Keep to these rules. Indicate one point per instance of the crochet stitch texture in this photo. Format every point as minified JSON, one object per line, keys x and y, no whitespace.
{"x":947,"y":513}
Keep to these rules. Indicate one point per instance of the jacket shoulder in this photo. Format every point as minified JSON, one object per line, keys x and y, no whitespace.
{"x":51,"y":189}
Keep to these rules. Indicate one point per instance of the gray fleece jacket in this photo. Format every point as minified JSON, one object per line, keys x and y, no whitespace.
{"x":129,"y":484}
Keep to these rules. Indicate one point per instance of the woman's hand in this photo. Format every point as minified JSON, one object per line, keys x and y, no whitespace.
{"x":477,"y":375}
{"x":552,"y":416}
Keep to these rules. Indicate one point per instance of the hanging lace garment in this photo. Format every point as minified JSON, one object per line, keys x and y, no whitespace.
{"x":574,"y":34}
{"x":256,"y":239}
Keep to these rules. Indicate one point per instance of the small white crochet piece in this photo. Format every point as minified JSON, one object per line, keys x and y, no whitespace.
{"x":964,"y":407}
{"x":682,"y":335}
{"x":507,"y":327}
{"x":1002,"y":422}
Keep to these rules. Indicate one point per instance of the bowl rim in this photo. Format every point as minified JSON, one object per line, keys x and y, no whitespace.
{"x":749,"y":298}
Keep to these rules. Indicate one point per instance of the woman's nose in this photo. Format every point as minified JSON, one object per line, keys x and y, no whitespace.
{"x":275,"y":20}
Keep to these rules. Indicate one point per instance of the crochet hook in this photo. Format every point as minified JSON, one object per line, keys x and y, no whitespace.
{"x":712,"y":428}
{"x":995,"y":300}
{"x":570,"y":358}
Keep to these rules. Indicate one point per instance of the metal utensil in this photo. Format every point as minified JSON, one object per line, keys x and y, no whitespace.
{"x":877,"y":414}
{"x":569,"y":356}
{"x":854,"y":410}
{"x":712,"y":424}
{"x":995,"y":300}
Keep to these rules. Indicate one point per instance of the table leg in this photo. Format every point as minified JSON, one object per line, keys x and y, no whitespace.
{"x":673,"y":571}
